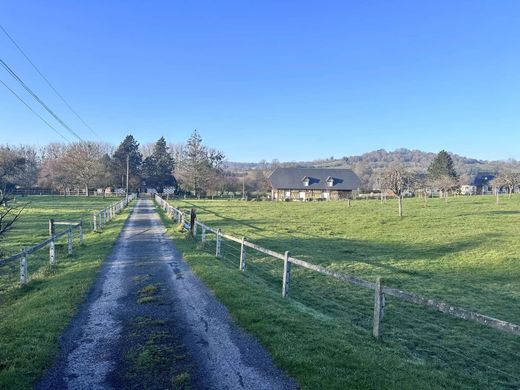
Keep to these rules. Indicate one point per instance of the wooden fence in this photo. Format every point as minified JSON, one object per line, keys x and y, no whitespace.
{"x":380,"y":290}
{"x":99,"y":219}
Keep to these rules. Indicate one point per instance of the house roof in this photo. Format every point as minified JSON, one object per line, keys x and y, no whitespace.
{"x":483,"y":178}
{"x":292,"y":178}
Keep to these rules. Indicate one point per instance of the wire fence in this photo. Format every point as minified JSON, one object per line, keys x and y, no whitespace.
{"x":423,"y":329}
{"x":64,"y":235}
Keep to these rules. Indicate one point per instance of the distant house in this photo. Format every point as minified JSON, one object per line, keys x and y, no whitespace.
{"x":479,"y":184}
{"x":312,"y":183}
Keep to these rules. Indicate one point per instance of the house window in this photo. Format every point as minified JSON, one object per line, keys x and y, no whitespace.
{"x":330,"y":181}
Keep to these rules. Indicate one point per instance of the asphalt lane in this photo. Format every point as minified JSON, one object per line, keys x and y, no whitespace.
{"x":95,"y":347}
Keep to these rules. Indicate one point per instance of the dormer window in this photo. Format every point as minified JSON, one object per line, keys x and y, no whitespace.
{"x":306,"y":181}
{"x":330,"y":181}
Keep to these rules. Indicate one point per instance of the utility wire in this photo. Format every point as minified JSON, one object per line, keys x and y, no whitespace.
{"x":47,"y":81}
{"x":34,"y":112}
{"x":37,"y":98}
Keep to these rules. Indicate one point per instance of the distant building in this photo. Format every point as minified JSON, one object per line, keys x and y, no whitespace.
{"x":481,"y":183}
{"x":313,"y":183}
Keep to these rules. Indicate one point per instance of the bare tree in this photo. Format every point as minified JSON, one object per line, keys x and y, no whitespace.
{"x":510,"y":180}
{"x":9,"y":212}
{"x":397,"y":180}
{"x":446,"y":184}
{"x":82,"y":163}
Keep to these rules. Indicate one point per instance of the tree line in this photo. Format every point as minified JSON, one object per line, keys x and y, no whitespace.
{"x":441,"y":177}
{"x":85,"y":166}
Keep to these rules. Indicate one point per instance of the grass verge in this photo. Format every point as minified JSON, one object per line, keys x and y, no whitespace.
{"x":321,"y":334}
{"x":33,"y":317}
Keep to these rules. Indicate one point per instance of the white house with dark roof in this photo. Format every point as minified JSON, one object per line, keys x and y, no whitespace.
{"x":313,"y":183}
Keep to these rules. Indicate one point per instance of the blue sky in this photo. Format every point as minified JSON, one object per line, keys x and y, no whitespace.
{"x":291,"y":80}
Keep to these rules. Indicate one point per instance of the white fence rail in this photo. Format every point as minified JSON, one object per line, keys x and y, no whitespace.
{"x":379,"y":289}
{"x":99,"y":219}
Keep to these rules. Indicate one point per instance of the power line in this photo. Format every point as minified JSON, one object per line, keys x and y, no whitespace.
{"x":37,"y":98}
{"x":34,"y":112}
{"x":47,"y":81}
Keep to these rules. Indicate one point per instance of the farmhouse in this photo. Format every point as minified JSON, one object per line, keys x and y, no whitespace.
{"x":480,"y":183}
{"x":312,"y":183}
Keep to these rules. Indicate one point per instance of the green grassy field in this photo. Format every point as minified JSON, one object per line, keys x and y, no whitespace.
{"x":465,"y":252}
{"x":32,"y":317}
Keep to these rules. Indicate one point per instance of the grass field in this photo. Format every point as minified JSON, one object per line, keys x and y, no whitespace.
{"x":32,"y":317}
{"x":465,"y":252}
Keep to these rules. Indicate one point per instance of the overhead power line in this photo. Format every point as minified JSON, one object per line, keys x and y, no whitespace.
{"x":48,"y":82}
{"x":34,"y":112}
{"x":37,"y":98}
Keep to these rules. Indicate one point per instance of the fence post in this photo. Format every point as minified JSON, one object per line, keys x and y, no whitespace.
{"x":242,"y":255}
{"x":69,"y":241}
{"x":193,"y":222}
{"x":286,"y":275}
{"x":94,"y":219}
{"x":23,"y":268}
{"x":203,"y":234}
{"x":51,"y":227}
{"x":80,"y":233}
{"x":379,"y":309}
{"x":217,"y":246}
{"x":182,"y":220}
{"x":52,"y":252}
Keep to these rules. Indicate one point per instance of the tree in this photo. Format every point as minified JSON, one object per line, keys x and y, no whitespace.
{"x":157,"y":168}
{"x":9,"y":212}
{"x":198,"y":165}
{"x":12,"y":165}
{"x":398,"y":180}
{"x":442,"y":165}
{"x":507,"y":179}
{"x":128,"y":149}
{"x":82,"y":164}
{"x":52,"y":173}
{"x":445,"y":184}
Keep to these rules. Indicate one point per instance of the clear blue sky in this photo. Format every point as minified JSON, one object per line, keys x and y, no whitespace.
{"x":292,"y":80}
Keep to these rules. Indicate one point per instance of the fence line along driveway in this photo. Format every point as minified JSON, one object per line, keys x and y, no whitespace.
{"x":97,"y":347}
{"x":190,"y":223}
{"x":99,"y":219}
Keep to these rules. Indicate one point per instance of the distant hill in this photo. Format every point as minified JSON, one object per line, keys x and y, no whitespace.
{"x":368,"y":165}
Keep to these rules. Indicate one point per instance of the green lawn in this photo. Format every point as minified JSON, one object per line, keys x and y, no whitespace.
{"x":32,"y":317}
{"x":465,"y":252}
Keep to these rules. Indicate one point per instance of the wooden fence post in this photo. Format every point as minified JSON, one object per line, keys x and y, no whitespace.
{"x":203,"y":234}
{"x":69,"y":241}
{"x":23,"y":269}
{"x":193,"y":222}
{"x":217,"y":244}
{"x":379,"y":309}
{"x":80,"y":233}
{"x":94,"y":220}
{"x":286,"y":275}
{"x":243,"y":255}
{"x":52,"y":252}
{"x":51,"y":227}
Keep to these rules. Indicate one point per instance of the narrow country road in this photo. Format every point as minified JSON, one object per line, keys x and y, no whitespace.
{"x":148,"y":322}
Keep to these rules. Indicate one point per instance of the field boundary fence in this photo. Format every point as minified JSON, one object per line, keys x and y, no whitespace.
{"x":200,"y":231}
{"x":98,"y":219}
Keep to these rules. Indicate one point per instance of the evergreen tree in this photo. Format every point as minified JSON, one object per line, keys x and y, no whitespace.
{"x":157,"y":168}
{"x":129,"y":148}
{"x":441,"y":166}
{"x":199,"y":165}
